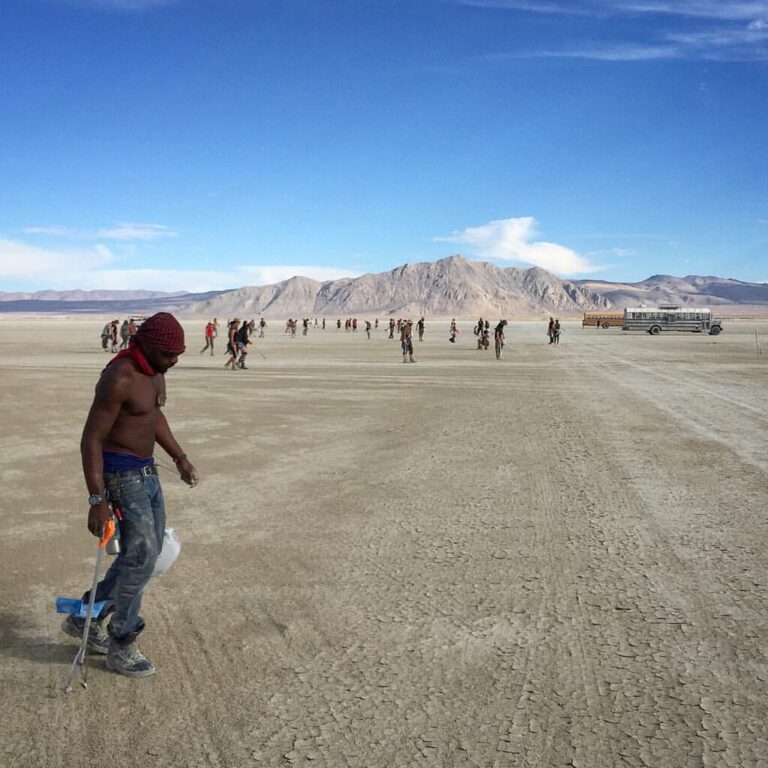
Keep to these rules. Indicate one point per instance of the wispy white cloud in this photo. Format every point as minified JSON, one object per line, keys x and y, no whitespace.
{"x":721,"y":31}
{"x":513,"y":240}
{"x":722,"y":38}
{"x":620,"y":52}
{"x":121,"y":231}
{"x":22,"y":261}
{"x":702,"y":9}
{"x":716,"y":45}
{"x":96,"y":268}
{"x":126,"y":231}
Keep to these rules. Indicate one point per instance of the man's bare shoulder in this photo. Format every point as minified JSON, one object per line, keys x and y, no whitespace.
{"x":117,"y":380}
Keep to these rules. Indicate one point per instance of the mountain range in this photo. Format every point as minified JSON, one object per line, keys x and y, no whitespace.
{"x":453,"y":286}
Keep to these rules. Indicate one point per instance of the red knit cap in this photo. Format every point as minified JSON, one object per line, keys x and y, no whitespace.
{"x":162,"y":332}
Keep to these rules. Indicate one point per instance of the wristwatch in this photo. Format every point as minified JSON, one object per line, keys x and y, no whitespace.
{"x":94,"y":499}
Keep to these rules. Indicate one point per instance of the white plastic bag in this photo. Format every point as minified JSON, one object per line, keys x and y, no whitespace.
{"x":169,"y":552}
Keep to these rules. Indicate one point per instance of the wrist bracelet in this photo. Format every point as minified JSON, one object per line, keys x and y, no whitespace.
{"x":179,"y":458}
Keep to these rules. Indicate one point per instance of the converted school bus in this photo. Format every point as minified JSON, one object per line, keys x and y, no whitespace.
{"x":603,"y":319}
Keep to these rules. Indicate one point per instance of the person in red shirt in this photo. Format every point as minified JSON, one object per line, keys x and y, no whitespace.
{"x":210,"y":333}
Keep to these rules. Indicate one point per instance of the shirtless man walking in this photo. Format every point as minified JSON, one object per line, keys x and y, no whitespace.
{"x":406,"y":341}
{"x":123,"y":425}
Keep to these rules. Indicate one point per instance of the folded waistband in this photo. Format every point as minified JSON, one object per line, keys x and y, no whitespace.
{"x":145,"y":471}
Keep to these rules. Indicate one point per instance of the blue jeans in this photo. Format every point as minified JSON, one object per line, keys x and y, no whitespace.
{"x":140,"y":500}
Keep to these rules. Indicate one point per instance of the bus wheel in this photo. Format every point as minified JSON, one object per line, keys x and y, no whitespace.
{"x":654,"y":330}
{"x":714,"y":330}
{"x":606,"y":325}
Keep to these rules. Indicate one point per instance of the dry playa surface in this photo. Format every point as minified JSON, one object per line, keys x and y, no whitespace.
{"x":556,"y":559}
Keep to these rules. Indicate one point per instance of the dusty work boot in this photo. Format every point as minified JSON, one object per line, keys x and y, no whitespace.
{"x":98,"y":638}
{"x":128,"y":660}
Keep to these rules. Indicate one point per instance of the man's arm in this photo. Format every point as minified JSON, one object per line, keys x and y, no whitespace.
{"x":111,"y":392}
{"x":165,"y":439}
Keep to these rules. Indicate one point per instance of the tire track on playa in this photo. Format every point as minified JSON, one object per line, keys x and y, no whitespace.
{"x":565,"y":499}
{"x":182,"y":665}
{"x":690,"y":652}
{"x":620,"y":653}
{"x":568,"y":692}
{"x":690,"y":383}
{"x":514,"y":656}
{"x":707,"y":429}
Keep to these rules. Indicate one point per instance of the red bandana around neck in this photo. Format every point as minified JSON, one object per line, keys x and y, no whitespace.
{"x":135,"y":354}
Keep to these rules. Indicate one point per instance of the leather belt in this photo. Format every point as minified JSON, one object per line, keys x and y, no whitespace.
{"x":142,"y":471}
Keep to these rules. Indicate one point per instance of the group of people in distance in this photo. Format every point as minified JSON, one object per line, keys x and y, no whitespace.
{"x":239,"y":334}
{"x":553,"y":331}
{"x":397,"y":325}
{"x":238,"y":339}
{"x":291,"y":325}
{"x":483,"y":332}
{"x":115,"y":336}
{"x":350,"y":324}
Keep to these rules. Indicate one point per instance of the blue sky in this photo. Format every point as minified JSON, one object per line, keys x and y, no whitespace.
{"x":209,"y":144}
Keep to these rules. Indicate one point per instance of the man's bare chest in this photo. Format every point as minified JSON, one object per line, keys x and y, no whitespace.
{"x":148,"y":395}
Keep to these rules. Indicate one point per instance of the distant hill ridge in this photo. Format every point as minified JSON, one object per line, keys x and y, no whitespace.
{"x":452,"y":286}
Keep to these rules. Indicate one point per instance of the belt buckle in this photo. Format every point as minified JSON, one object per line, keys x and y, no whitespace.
{"x":146,"y":471}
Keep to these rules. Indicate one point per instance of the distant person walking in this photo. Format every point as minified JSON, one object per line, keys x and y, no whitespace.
{"x":208,"y":334}
{"x":105,"y":337}
{"x":556,"y":332}
{"x":113,"y":334}
{"x":124,"y":335}
{"x":406,"y":340}
{"x":262,"y":327}
{"x":242,"y":340}
{"x":498,"y":337}
{"x":454,"y":332}
{"x":420,"y":329}
{"x":234,"y":327}
{"x":368,"y":328}
{"x":551,"y":330}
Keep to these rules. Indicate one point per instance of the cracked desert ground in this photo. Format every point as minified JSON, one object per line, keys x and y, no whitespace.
{"x":557,"y":559}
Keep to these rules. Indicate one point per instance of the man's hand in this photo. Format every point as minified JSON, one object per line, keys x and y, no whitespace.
{"x":97,"y":517}
{"x":187,"y":472}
